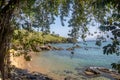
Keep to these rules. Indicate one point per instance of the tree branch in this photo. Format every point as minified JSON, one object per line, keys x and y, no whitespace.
{"x":11,"y":4}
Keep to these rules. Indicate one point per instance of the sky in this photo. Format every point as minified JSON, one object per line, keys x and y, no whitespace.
{"x":64,"y":30}
{"x":59,"y":29}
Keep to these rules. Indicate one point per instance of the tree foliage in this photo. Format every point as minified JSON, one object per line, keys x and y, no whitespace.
{"x":110,"y":22}
{"x":42,"y":13}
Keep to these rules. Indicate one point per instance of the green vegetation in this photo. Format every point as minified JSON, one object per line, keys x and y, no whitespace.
{"x":42,"y":14}
{"x":26,"y":40}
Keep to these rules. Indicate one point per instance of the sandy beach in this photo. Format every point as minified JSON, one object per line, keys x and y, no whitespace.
{"x":20,"y":62}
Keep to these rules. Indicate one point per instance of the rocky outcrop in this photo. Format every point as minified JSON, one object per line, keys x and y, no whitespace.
{"x":116,"y":76}
{"x":97,"y":71}
{"x":46,"y":48}
{"x":56,"y":48}
{"x":77,"y":46}
{"x":111,"y":72}
{"x":102,"y":69}
{"x":68,"y":72}
{"x":72,"y":48}
{"x":22,"y":74}
{"x":70,"y":78}
{"x":91,"y":72}
{"x":69,"y":49}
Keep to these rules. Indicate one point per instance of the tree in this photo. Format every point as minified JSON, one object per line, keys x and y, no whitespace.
{"x":42,"y":14}
{"x":6,"y":12}
{"x":109,"y":17}
{"x":48,"y":9}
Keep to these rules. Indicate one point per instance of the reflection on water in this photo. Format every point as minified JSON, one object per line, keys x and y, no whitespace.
{"x":60,"y":64}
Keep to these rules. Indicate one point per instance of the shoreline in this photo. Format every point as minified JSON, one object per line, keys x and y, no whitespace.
{"x":21,"y":63}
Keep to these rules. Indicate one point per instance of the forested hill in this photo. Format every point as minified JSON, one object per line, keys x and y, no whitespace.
{"x":23,"y":37}
{"x":25,"y":40}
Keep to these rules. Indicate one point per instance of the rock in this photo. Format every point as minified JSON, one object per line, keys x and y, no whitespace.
{"x":77,"y":68}
{"x":35,"y":73}
{"x":69,"y":49}
{"x":38,"y":49}
{"x":91,"y":72}
{"x":31,"y":77}
{"x":70,"y":78}
{"x":68,"y":72}
{"x":59,"y":49}
{"x":116,"y":76}
{"x":20,"y":71}
{"x":76,"y":46}
{"x":111,"y":72}
{"x":21,"y":74}
{"x":56,"y":48}
{"x":46,"y":78}
{"x":45,"y":48}
{"x":102,"y":69}
{"x":72,"y":48}
{"x":49,"y":47}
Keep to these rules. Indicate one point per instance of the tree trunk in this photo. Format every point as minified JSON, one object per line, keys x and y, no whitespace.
{"x":6,"y":31}
{"x":5,"y":36}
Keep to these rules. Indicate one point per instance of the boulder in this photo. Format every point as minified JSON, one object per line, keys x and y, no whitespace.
{"x":102,"y":69}
{"x":69,"y":49}
{"x":76,"y":46}
{"x":49,"y":47}
{"x":68,"y":72}
{"x":91,"y":72}
{"x":21,"y":74}
{"x":45,"y":48}
{"x":59,"y":49}
{"x":70,"y":78}
{"x":116,"y":76}
{"x":56,"y":48}
{"x":38,"y":49}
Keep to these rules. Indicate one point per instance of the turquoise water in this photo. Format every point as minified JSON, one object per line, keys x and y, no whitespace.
{"x":58,"y":62}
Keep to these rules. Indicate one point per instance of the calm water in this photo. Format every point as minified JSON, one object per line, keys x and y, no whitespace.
{"x":63,"y":63}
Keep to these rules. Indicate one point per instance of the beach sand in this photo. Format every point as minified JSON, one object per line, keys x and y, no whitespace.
{"x":20,"y":62}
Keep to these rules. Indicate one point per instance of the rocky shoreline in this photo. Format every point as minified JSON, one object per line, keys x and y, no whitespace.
{"x":50,"y":47}
{"x":22,"y":74}
{"x":101,"y":71}
{"x":21,"y":71}
{"x":88,"y":73}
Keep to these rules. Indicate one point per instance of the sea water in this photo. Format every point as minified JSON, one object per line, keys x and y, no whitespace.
{"x":63,"y":63}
